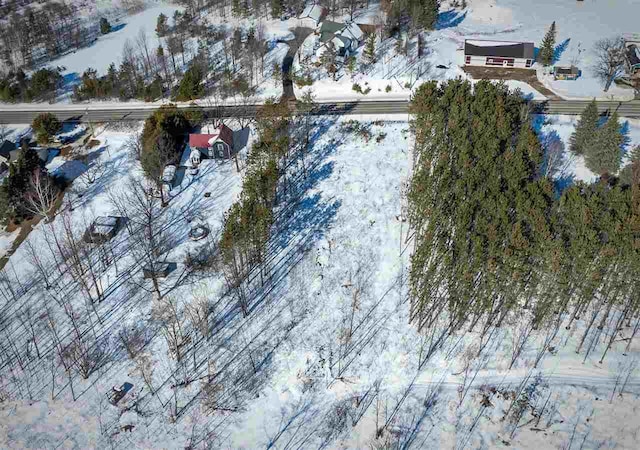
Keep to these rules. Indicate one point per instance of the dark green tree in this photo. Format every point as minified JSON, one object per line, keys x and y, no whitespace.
{"x":46,"y":125}
{"x":162,"y":27}
{"x":276,"y":8}
{"x":586,"y":129}
{"x":105,"y":26}
{"x":547,"y":49}
{"x":604,"y":153}
{"x":369,"y":52}
{"x":191,"y":86}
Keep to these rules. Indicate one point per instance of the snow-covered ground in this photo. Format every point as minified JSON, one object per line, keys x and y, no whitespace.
{"x":560,"y":127}
{"x":327,"y":355}
{"x":108,"y":48}
{"x":579,"y":24}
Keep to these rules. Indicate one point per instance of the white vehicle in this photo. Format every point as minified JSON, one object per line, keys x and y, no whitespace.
{"x":169,"y":174}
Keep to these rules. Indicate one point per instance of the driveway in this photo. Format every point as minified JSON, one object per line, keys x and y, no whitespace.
{"x":501,"y":73}
{"x":300,"y":34}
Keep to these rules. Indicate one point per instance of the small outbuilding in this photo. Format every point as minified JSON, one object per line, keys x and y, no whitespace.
{"x":103,"y":229}
{"x":313,"y":14}
{"x":566,"y":73}
{"x":157,"y":270}
{"x":498,"y":53}
{"x":218,"y":145}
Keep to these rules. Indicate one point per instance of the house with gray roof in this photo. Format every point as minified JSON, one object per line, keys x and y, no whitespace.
{"x":498,"y":53}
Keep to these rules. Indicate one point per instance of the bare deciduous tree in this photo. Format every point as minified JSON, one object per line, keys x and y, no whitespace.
{"x":41,"y":194}
{"x":610,"y":58}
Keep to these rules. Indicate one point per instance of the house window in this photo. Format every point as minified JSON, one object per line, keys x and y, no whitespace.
{"x":220,"y":150}
{"x":528,"y":63}
{"x":467,"y":60}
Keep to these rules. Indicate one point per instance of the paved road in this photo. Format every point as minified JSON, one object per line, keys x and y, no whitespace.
{"x":101,"y":113}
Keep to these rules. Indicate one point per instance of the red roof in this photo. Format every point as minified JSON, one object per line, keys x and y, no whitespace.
{"x":222,"y":133}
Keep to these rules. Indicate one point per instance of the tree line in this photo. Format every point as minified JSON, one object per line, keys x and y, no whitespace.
{"x":31,"y":36}
{"x":495,"y":242}
{"x":247,"y":224}
{"x":172,"y":68}
{"x":43,"y":84}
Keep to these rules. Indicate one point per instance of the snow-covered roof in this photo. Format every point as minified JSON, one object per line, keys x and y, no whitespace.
{"x":487,"y":43}
{"x":107,"y":221}
{"x":221,"y":133}
{"x":501,"y":49}
{"x":341,"y":41}
{"x":313,"y":12}
{"x":353,"y":31}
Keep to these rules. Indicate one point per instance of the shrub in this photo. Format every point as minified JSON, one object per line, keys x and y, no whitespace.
{"x":388,"y":88}
{"x":356,"y":87}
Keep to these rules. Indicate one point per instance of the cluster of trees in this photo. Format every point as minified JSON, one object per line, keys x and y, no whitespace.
{"x":416,"y":14}
{"x":243,"y":245}
{"x":495,"y":243}
{"x":239,"y":8}
{"x":171,"y":68}
{"x":601,"y":145}
{"x":162,"y":141}
{"x":33,"y":35}
{"x":17,"y":86}
{"x":145,"y":72}
{"x":27,"y":190}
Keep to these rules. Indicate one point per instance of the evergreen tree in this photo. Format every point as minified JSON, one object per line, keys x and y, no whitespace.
{"x":276,"y":8}
{"x":547,"y":49}
{"x":604,"y":153}
{"x":276,"y":72}
{"x":351,"y":65}
{"x":154,"y":90}
{"x":161,"y":26}
{"x":328,"y":60}
{"x":238,"y":8}
{"x":586,"y":129}
{"x":424,"y":13}
{"x":105,"y":26}
{"x":369,"y":52}
{"x":46,"y":125}
{"x":191,"y":86}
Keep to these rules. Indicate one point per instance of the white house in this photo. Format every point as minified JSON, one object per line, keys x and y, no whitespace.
{"x":498,"y":53}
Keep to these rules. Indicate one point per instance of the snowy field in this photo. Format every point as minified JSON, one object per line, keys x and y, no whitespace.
{"x":579,"y":25}
{"x":108,"y":48}
{"x":327,"y":356}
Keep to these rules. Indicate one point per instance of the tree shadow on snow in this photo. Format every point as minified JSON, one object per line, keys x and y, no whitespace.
{"x":303,"y":216}
{"x":563,"y":182}
{"x":560,"y":49}
{"x":625,"y":129}
{"x":450,"y":19}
